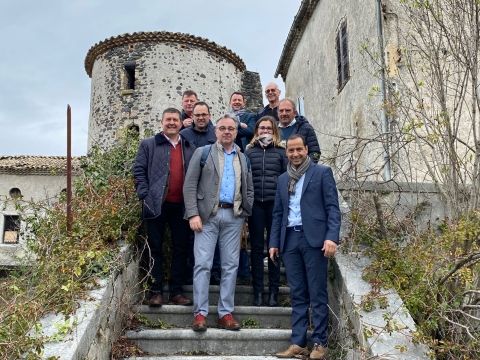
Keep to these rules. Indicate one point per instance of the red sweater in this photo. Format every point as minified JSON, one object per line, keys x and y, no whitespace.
{"x":176,"y":176}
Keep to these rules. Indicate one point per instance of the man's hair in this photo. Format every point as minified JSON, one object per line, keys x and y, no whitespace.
{"x":202,"y":103}
{"x":296,"y":136}
{"x":294,"y":106}
{"x":228,"y":116}
{"x":238,"y":93}
{"x":171,"y":110}
{"x":189,"y":93}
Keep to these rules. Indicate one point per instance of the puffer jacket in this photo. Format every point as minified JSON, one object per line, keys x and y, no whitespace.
{"x":267,"y":165}
{"x":199,"y":138}
{"x":151,"y":171}
{"x":303,"y":127}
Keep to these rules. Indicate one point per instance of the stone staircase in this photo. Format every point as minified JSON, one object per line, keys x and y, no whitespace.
{"x":167,"y":333}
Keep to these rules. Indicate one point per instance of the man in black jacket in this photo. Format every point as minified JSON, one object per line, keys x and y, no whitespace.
{"x":291,"y":123}
{"x":159,"y":172}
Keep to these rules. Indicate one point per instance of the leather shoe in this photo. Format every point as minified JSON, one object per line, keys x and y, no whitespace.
{"x":181,"y":300}
{"x":156,"y":300}
{"x":228,"y":322}
{"x":318,"y":352}
{"x":258,"y":299}
{"x":273,"y":299}
{"x":199,"y":323}
{"x":293,"y":351}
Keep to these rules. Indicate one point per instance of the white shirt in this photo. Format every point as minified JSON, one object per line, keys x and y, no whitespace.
{"x":294,"y":213}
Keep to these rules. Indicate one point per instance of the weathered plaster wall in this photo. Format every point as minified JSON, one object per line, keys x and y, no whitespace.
{"x":163,"y":71}
{"x":313,"y":74}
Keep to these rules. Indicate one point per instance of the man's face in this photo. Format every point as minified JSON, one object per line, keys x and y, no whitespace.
{"x":201,"y":117}
{"x":188,"y":102}
{"x":272,"y":92}
{"x":226,"y":131}
{"x":296,"y":151}
{"x":171,"y":124}
{"x":286,"y":112}
{"x":237,"y":102}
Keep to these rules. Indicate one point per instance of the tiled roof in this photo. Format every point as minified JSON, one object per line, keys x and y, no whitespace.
{"x":307,"y":7}
{"x":160,"y":37}
{"x":37,"y":165}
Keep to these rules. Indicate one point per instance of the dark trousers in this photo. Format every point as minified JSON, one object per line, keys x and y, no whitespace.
{"x":260,"y":220}
{"x":306,"y":269}
{"x":172,"y":214}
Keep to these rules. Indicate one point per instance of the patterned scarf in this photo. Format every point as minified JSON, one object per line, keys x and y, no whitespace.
{"x":296,"y":174}
{"x":264,"y":140}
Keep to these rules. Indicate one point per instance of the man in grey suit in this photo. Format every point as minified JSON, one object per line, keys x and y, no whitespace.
{"x":218,"y":194}
{"x":305,"y":230}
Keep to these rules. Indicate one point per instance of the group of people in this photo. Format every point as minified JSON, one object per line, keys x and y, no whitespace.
{"x":210,"y":179}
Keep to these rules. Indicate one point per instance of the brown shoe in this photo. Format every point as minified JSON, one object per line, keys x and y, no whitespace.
{"x":318,"y":352}
{"x":156,"y":300}
{"x":228,"y":322}
{"x":181,"y":300}
{"x":199,"y":323}
{"x":294,"y":351}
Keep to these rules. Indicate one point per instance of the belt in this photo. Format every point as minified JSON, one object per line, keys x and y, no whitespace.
{"x":296,"y":228}
{"x":225,"y":205}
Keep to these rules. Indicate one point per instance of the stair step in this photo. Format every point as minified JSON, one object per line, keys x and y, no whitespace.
{"x":243,"y":294}
{"x":248,"y":316}
{"x":220,"y":357}
{"x":213,"y":341}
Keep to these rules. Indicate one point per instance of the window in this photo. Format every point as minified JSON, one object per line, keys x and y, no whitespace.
{"x":129,"y":75}
{"x":134,"y":128}
{"x":15,"y":193}
{"x":11,"y":229}
{"x":343,"y":72}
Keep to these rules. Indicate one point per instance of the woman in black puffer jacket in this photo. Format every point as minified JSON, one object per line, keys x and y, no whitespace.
{"x":268,"y":160}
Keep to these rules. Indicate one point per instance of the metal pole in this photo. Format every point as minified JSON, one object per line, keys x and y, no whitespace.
{"x":69,"y":171}
{"x":385,"y":122}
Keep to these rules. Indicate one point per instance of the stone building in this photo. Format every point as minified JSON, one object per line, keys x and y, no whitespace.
{"x":24,"y":179}
{"x":136,"y":76}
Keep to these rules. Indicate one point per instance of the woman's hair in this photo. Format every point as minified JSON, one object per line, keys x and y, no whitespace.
{"x":275,"y":134}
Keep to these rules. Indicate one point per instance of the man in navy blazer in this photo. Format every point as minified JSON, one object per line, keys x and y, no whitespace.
{"x":305,"y":231}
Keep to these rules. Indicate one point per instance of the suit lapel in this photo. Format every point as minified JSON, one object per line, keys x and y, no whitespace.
{"x":308,"y":176}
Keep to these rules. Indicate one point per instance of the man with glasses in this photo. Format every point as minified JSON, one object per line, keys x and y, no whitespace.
{"x":246,"y":119}
{"x":272,"y":92}
{"x":218,"y":197}
{"x":202,"y":131}
{"x":189,"y":99}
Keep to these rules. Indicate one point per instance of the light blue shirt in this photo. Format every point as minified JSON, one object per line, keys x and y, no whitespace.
{"x":227,"y":184}
{"x":294,"y":214}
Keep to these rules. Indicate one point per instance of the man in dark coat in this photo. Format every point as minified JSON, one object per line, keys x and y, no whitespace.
{"x":246,"y":119}
{"x":272,"y":93}
{"x":189,"y":99}
{"x":159,"y":172}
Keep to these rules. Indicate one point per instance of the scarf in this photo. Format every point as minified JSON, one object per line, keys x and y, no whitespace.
{"x":264,"y":140}
{"x":296,"y":174}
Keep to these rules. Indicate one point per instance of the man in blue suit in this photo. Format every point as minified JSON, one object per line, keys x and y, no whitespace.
{"x":305,"y":231}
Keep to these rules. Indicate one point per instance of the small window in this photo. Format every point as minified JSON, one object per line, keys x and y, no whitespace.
{"x":343,"y":71}
{"x":300,"y":106}
{"x":15,"y":193}
{"x":129,"y":75}
{"x":134,"y":128}
{"x":11,"y":229}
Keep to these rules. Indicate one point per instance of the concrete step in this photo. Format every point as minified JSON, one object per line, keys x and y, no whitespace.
{"x":248,"y":316}
{"x":213,"y":341}
{"x":243,"y":294}
{"x":220,"y":357}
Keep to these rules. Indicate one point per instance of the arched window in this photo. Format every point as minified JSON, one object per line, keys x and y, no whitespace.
{"x":15,"y":193}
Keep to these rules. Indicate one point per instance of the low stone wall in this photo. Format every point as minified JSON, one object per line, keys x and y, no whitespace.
{"x":98,"y":321}
{"x":381,"y":333}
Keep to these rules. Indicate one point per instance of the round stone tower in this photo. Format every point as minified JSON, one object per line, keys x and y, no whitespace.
{"x":136,"y":76}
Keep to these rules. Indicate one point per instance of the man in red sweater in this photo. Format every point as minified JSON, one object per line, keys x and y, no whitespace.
{"x":159,"y":172}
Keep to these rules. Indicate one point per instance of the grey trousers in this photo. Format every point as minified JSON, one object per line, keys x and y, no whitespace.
{"x":226,"y":229}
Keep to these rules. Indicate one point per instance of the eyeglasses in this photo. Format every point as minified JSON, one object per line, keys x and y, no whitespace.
{"x":201,"y":115}
{"x":270,"y":91}
{"x":266,"y":128}
{"x":225,"y":128}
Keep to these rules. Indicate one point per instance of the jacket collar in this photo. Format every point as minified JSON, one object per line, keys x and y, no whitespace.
{"x":160,"y":139}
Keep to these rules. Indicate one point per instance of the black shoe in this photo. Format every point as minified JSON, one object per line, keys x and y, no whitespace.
{"x":243,"y":280}
{"x":273,"y":299}
{"x":258,"y":299}
{"x":215,"y":278}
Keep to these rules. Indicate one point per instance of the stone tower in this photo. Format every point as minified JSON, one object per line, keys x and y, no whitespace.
{"x":136,"y":76}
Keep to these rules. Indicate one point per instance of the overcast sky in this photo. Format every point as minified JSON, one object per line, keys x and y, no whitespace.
{"x":44,"y":44}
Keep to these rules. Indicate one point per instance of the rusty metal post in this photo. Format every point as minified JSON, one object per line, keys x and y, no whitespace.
{"x":69,"y":171}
